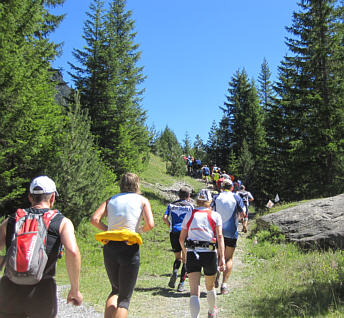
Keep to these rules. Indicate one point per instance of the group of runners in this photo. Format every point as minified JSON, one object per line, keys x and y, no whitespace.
{"x":205,"y":236}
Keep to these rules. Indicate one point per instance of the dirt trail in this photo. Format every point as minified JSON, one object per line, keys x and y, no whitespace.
{"x":167,"y":303}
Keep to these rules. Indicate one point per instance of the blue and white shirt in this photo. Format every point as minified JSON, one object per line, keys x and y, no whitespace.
{"x":177,"y":211}
{"x":229,"y":205}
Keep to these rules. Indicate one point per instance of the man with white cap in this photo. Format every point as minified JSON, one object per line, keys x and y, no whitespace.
{"x":203,"y":229}
{"x":40,"y":300}
{"x":231,"y":208}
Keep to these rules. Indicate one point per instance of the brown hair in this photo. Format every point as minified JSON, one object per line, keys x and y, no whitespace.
{"x":184,"y":193}
{"x":38,"y":198}
{"x":130,"y":182}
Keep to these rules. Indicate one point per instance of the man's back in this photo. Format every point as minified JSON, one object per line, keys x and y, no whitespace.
{"x":227,"y":205}
{"x":177,"y":211}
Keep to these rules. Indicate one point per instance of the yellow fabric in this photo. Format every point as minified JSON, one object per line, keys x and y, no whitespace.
{"x":119,"y":235}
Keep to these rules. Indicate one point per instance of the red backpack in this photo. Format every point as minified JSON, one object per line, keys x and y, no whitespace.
{"x":26,"y":257}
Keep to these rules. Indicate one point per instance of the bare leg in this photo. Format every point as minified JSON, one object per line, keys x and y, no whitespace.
{"x":110,"y":306}
{"x":111,"y":309}
{"x":229,"y":253}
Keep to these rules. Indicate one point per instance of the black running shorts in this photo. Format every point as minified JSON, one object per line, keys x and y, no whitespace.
{"x":174,"y":239}
{"x":122,"y":264}
{"x":230,"y":242}
{"x":206,"y":260}
{"x":34,"y":301}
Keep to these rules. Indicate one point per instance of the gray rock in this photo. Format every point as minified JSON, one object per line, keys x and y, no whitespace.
{"x":317,"y":223}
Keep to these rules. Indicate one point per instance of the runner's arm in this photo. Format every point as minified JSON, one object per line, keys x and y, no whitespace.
{"x":147,"y":215}
{"x":182,"y":238}
{"x":165,"y":217}
{"x":73,"y":260}
{"x":220,"y":248}
{"x":96,"y":219}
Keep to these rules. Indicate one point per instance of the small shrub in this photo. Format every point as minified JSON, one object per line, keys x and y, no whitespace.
{"x":272,"y":235}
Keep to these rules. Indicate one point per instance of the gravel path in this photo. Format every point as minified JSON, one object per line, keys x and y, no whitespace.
{"x":68,"y":310}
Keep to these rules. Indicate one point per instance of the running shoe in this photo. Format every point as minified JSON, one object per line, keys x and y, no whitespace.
{"x":173,"y":279}
{"x":224,"y":290}
{"x":180,"y":287}
{"x":214,"y":313}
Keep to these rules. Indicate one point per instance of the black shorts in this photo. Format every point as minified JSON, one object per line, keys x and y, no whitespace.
{"x":230,"y":242}
{"x":34,"y":301}
{"x":206,"y":260}
{"x":122,"y":264}
{"x":174,"y":239}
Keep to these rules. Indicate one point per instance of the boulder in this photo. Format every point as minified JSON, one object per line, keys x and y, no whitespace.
{"x":317,"y":223}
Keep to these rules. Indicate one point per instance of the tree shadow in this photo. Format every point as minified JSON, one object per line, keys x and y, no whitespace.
{"x":317,"y":299}
{"x":166,"y":292}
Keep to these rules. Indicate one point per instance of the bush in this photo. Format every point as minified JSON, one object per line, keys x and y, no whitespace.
{"x":273,"y":235}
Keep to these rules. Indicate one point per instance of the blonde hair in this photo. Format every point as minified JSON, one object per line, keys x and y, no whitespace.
{"x":202,"y":203}
{"x":130,"y":182}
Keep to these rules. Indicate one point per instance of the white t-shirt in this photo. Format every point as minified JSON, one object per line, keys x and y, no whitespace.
{"x":124,"y":212}
{"x":200,"y":228}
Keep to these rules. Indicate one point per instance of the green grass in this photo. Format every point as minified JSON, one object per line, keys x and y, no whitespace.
{"x":156,"y":173}
{"x":292,"y":283}
{"x":278,"y":279}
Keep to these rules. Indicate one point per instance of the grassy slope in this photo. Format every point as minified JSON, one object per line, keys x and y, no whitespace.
{"x":268,"y":280}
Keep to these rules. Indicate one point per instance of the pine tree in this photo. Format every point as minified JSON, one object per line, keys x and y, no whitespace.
{"x":187,"y":149}
{"x":223,"y":142}
{"x":265,"y":91}
{"x":312,"y":99}
{"x":212,"y":145}
{"x":30,"y":119}
{"x":170,"y":150}
{"x":90,"y":75}
{"x":110,"y":86}
{"x":245,"y":135}
{"x":199,"y":148}
{"x":82,"y":178}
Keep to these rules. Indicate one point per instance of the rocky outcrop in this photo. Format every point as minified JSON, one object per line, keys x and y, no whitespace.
{"x":169,"y":193}
{"x":63,"y":91}
{"x":317,"y":223}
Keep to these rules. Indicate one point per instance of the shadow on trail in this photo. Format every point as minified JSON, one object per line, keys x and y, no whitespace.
{"x":166,"y":292}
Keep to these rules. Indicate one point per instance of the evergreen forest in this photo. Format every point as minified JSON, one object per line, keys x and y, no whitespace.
{"x":284,"y":136}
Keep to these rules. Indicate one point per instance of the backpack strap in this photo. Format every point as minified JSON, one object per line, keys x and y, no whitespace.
{"x":210,"y":219}
{"x":190,"y":220}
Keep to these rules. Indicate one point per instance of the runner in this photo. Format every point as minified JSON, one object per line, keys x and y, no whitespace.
{"x":40,"y":300}
{"x":247,"y":197}
{"x":177,"y":211}
{"x":231,"y":207}
{"x":202,"y":228}
{"x":205,"y":174}
{"x":121,"y":252}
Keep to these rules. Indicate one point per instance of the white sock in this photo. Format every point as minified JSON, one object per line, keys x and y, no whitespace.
{"x":211,"y":297}
{"x":195,"y":306}
{"x":224,"y":285}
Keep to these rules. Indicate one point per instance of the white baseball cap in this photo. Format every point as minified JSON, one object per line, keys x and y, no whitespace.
{"x":204,"y":195}
{"x":43,"y":185}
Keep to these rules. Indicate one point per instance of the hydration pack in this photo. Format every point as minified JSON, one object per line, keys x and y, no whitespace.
{"x":26,"y":257}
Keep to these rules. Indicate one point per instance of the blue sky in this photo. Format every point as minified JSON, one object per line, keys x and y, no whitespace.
{"x":190,"y":51}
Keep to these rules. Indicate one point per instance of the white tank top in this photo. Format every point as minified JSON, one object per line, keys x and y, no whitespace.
{"x":124,"y":212}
